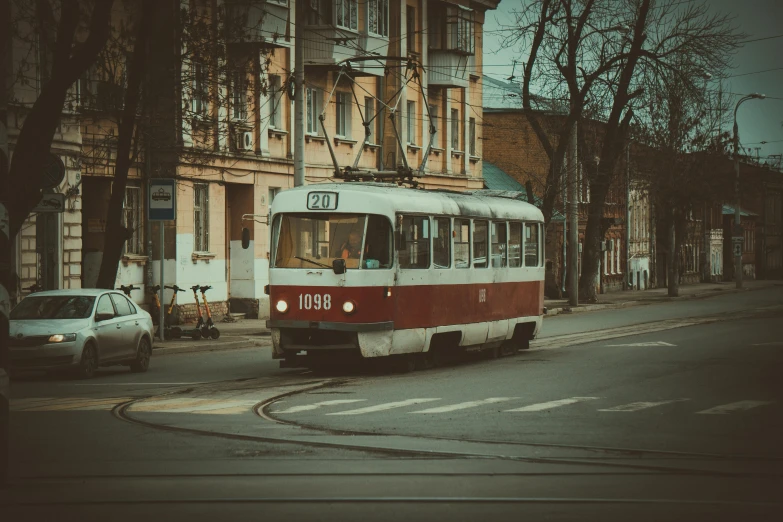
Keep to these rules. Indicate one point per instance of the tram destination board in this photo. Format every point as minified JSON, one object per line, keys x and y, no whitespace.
{"x":322,"y":200}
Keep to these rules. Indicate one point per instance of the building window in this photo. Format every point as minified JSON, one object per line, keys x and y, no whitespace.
{"x":472,"y":136}
{"x":313,"y":108}
{"x":410,"y":28}
{"x":459,"y":30}
{"x":239,"y":96}
{"x":462,"y":243}
{"x":201,"y":217}
{"x":132,"y":213}
{"x":378,"y":17}
{"x":319,"y":12}
{"x":416,"y":251}
{"x":369,"y":118}
{"x":347,"y":12}
{"x":434,"y":118}
{"x":200,"y":94}
{"x":343,"y":114}
{"x":455,"y":129}
{"x":411,"y":123}
{"x":275,"y":101}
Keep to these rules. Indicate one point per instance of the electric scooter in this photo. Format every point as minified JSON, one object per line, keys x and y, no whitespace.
{"x":208,"y":328}
{"x":176,"y":331}
{"x":195,"y":334}
{"x":126,"y":289}
{"x":168,"y":331}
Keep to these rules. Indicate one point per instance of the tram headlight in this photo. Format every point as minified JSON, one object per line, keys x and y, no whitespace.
{"x":349,"y":307}
{"x":281,"y":306}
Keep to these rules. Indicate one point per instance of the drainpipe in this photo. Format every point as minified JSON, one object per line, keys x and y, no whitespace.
{"x":628,"y":275}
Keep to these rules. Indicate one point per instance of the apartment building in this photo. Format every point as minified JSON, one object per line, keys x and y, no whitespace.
{"x":218,"y":117}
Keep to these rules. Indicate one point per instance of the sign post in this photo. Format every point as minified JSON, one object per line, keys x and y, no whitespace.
{"x":162,"y":207}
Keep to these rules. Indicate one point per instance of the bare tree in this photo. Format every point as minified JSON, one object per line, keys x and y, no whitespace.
{"x":600,"y":56}
{"x":82,"y":29}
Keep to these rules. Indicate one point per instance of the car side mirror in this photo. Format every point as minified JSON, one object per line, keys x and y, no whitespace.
{"x":338,"y":265}
{"x":245,"y":238}
{"x":103,"y":317}
{"x":399,"y":238}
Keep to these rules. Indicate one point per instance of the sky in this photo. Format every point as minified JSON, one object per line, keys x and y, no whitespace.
{"x":758,"y":120}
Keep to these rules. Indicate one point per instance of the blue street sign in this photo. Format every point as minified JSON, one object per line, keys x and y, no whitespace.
{"x":162,"y":199}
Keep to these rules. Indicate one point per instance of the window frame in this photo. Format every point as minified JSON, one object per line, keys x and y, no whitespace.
{"x":448,"y":220}
{"x":201,"y":217}
{"x":472,"y":136}
{"x":502,"y":245}
{"x":408,"y":242}
{"x":539,"y":252}
{"x":312,"y":111}
{"x":474,"y":224}
{"x":469,"y":242}
{"x":122,"y":299}
{"x":521,"y":257}
{"x":349,"y":8}
{"x":200,"y":101}
{"x":410,"y":28}
{"x":98,"y":303}
{"x":275,"y":99}
{"x":239,"y":105}
{"x":381,"y":10}
{"x":135,"y":243}
{"x":342,"y":111}
{"x":369,"y":114}
{"x":410,"y":119}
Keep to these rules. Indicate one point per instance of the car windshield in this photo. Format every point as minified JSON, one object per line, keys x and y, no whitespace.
{"x":315,"y":240}
{"x":54,"y":307}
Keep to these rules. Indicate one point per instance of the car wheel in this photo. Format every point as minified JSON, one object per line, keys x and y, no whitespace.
{"x":142,"y":362}
{"x":89,"y":362}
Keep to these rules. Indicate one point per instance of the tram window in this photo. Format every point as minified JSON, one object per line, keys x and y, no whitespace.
{"x":531,"y":244}
{"x":480,"y":244}
{"x":462,"y":243}
{"x":441,"y":243}
{"x":498,"y":241}
{"x":417,"y":242}
{"x":378,"y":244}
{"x":514,"y":244}
{"x":315,"y":240}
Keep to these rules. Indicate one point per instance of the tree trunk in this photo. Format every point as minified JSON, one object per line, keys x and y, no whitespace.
{"x":116,"y":234}
{"x":591,"y":249}
{"x":35,"y":139}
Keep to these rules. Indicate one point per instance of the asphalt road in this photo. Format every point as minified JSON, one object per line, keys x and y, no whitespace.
{"x":682,"y":424}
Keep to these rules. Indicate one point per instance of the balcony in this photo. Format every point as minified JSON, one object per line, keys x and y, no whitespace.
{"x":258,"y":21}
{"x":448,"y":68}
{"x":327,"y":46}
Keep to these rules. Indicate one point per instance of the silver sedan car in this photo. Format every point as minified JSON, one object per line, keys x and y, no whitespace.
{"x":79,"y":330}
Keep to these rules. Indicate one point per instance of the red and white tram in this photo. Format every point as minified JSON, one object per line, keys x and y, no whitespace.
{"x":380,"y":270}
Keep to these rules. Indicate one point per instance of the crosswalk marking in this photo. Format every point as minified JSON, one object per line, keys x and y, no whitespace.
{"x":382,"y":407}
{"x":636,"y":406}
{"x":734,"y":406}
{"x":316,"y":405}
{"x":553,"y":404}
{"x":464,"y":405}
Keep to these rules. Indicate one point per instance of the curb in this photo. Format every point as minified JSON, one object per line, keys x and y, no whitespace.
{"x":649,"y":300}
{"x":179,"y":347}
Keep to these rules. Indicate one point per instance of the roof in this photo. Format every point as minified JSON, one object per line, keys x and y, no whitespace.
{"x":389,"y":199}
{"x":728,"y":210}
{"x":499,"y":96}
{"x":496,"y":179}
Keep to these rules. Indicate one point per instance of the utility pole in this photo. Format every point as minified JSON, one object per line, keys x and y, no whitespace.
{"x":628,"y":275}
{"x":573,"y":221}
{"x":299,"y":96}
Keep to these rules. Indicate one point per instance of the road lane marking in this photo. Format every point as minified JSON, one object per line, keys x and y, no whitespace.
{"x":464,"y":405}
{"x":636,"y":406}
{"x":651,"y":343}
{"x":382,"y":407}
{"x":316,"y":405}
{"x":541,"y":406}
{"x":773,"y":343}
{"x":66,"y":404}
{"x":734,"y":406}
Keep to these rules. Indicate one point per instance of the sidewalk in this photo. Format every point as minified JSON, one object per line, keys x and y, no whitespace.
{"x":247,"y":333}
{"x":638,"y":297}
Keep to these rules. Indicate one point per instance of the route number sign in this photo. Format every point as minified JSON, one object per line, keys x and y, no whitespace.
{"x":321,"y":201}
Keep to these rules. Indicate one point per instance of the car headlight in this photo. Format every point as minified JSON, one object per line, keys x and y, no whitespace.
{"x":349,"y":307}
{"x":281,"y":306}
{"x":62,"y":338}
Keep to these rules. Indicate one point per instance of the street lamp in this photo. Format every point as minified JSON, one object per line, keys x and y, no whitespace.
{"x":738,"y":235}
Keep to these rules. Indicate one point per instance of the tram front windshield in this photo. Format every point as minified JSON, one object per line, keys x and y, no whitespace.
{"x":315,"y":240}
